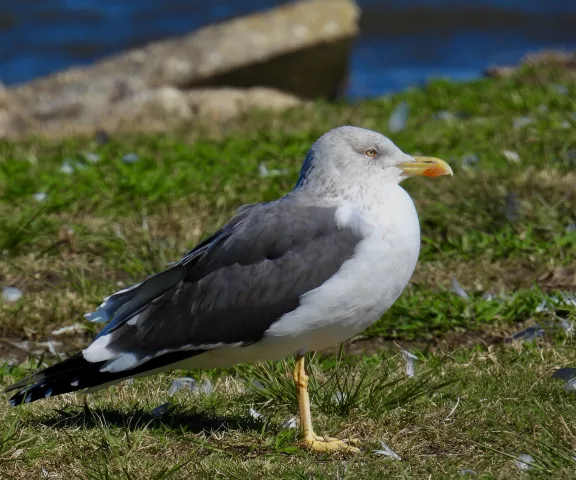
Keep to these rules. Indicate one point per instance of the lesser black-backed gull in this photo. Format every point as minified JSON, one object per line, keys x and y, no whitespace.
{"x":282,"y":278}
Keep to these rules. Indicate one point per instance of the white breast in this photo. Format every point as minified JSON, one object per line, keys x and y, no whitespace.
{"x":367,"y":284}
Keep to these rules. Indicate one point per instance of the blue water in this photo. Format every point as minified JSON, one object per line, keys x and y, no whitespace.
{"x":402,"y":43}
{"x":461,"y":57}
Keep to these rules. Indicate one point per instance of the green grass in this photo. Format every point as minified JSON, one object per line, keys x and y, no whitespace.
{"x":476,"y":402}
{"x":474,"y":408}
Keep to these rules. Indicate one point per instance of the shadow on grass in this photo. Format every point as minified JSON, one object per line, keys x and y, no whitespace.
{"x":172,"y":417}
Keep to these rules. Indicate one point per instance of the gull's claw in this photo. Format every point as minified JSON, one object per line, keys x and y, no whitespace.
{"x":320,"y":444}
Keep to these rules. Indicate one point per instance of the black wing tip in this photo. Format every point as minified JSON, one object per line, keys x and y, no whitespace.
{"x":25,"y":386}
{"x":31,"y":394}
{"x":24,"y":383}
{"x":76,"y":373}
{"x":55,"y":380}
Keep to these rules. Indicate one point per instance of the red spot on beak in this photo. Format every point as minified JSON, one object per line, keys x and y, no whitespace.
{"x":433,"y":172}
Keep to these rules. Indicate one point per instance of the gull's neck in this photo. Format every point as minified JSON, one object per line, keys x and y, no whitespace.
{"x":364,"y":190}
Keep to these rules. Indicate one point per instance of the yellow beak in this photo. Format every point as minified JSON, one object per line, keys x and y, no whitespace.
{"x":426,"y":167}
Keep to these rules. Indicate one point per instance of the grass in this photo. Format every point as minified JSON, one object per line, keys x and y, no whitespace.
{"x":500,"y":227}
{"x":474,"y":408}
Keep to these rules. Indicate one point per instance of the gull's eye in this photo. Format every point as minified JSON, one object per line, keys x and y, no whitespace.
{"x":371,"y":152}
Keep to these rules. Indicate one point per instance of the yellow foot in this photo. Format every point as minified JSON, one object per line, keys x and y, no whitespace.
{"x":317,"y":443}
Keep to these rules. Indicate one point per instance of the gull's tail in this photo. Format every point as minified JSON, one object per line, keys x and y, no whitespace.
{"x":72,"y":374}
{"x":77,"y":373}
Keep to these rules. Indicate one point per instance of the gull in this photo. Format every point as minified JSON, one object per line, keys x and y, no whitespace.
{"x":298,"y":274}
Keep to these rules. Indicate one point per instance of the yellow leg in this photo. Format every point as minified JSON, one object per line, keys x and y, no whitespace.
{"x":309,"y":438}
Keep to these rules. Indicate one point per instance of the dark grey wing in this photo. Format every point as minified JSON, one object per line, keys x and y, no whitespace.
{"x":251,"y":273}
{"x":200,"y":249}
{"x":121,"y":305}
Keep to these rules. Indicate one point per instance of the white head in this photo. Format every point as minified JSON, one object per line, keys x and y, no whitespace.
{"x":352,"y":155}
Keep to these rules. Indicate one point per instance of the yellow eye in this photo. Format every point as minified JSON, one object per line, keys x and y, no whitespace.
{"x":371,"y":152}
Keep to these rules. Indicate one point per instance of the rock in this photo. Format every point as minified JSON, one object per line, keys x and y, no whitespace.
{"x":225,"y":103}
{"x":164,"y":105}
{"x":152,"y":110}
{"x":561,"y":58}
{"x":4,"y":98}
{"x":160,"y":109}
{"x":301,"y":48}
{"x":13,"y":118}
{"x":5,"y":121}
{"x":557,"y":58}
{"x":501,"y":71}
{"x":216,"y":73}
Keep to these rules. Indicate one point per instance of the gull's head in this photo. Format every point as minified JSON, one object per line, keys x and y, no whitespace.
{"x":351,"y":154}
